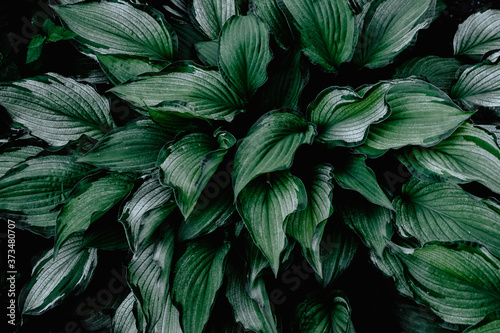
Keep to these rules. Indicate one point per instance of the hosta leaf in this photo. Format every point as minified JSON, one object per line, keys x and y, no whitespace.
{"x":307,"y":225}
{"x":420,"y":115}
{"x":286,"y":80}
{"x":208,"y":52}
{"x":270,"y":12}
{"x":352,"y":173}
{"x":254,"y":316}
{"x":244,"y":54}
{"x":204,"y":89}
{"x":338,"y":247}
{"x":170,"y":322}
{"x":12,"y":156}
{"x":54,"y":277}
{"x":264,"y":205}
{"x":389,"y":27}
{"x":119,"y":28}
{"x":469,"y":154}
{"x":148,"y":207}
{"x":390,"y":265}
{"x":327,"y":30}
{"x":212,"y":14}
{"x":188,"y":37}
{"x":57,"y":109}
{"x":131,"y":148}
{"x":343,"y":117}
{"x":89,"y":200}
{"x":257,"y":262}
{"x":459,"y":282}
{"x":175,"y":117}
{"x":490,"y":324}
{"x":197,"y":278}
{"x":478,"y":35}
{"x":270,"y":146}
{"x":120,"y":69}
{"x":414,"y":318}
{"x":188,"y":165}
{"x":124,"y":320}
{"x":478,"y":85}
{"x":445,"y":212}
{"x":441,"y":72}
{"x":372,"y":223}
{"x":148,"y":275}
{"x":324,"y":313}
{"x":107,"y":235}
{"x":37,"y":186}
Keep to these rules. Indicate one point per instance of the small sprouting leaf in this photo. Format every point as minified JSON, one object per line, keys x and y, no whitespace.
{"x":478,"y":85}
{"x":198,"y":276}
{"x":264,"y":205}
{"x":441,"y":72}
{"x":270,"y":145}
{"x":57,"y":109}
{"x":212,"y":14}
{"x":459,"y":282}
{"x":148,"y":275}
{"x":490,"y":324}
{"x":327,"y":30}
{"x":89,"y":200}
{"x":119,"y":28}
{"x":203,"y":89}
{"x":478,"y":35}
{"x":270,"y":12}
{"x":244,"y":54}
{"x":421,"y":115}
{"x":131,"y":148}
{"x":445,"y":212}
{"x":389,"y":27}
{"x":54,"y":277}
{"x":325,"y":313}
{"x":124,"y":320}
{"x":188,"y":165}
{"x":120,"y":69}
{"x":148,"y":207}
{"x":55,"y":32}
{"x":10,"y":157}
{"x":352,"y":173}
{"x":469,"y":154}
{"x":307,"y":225}
{"x":35,"y":48}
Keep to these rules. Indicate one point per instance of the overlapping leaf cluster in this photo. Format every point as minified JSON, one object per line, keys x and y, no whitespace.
{"x":209,"y":211}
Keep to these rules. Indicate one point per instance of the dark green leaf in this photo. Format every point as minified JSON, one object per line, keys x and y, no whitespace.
{"x":270,"y":12}
{"x":212,"y":14}
{"x":490,"y":324}
{"x":176,"y":117}
{"x":415,"y":318}
{"x":35,"y":48}
{"x":120,"y":69}
{"x":478,"y":85}
{"x":12,"y":156}
{"x":208,"y":52}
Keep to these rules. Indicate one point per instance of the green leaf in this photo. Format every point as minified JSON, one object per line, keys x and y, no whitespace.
{"x":478,"y":35}
{"x":148,"y":207}
{"x":270,"y":145}
{"x":131,"y":148}
{"x":469,"y":154}
{"x":390,"y":265}
{"x":264,"y":205}
{"x":57,"y":109}
{"x":212,"y":14}
{"x":445,"y":212}
{"x":198,"y":276}
{"x":12,"y":156}
{"x":176,"y":117}
{"x":352,"y":173}
{"x":54,"y":277}
{"x":343,"y":117}
{"x":107,"y":235}
{"x":490,"y":324}
{"x":119,"y":28}
{"x":57,"y":33}
{"x":372,"y":223}
{"x":204,"y":89}
{"x":123,"y":319}
{"x":389,"y":28}
{"x":324,"y":313}
{"x":420,"y":115}
{"x":35,"y":48}
{"x":148,"y":275}
{"x":459,"y":282}
{"x":441,"y":72}
{"x":188,"y":165}
{"x":89,"y":200}
{"x":257,"y":262}
{"x":270,"y":12}
{"x":35,"y":187}
{"x":415,"y":318}
{"x":327,"y":30}
{"x":244,"y":54}
{"x":253,"y":315}
{"x":208,"y":52}
{"x":307,"y":225}
{"x":120,"y":69}
{"x":478,"y":85}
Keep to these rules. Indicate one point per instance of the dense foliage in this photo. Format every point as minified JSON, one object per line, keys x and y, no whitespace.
{"x":257,"y":166}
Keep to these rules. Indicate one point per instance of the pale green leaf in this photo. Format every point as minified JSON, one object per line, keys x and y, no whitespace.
{"x":212,"y":14}
{"x":208,"y":52}
{"x":120,"y":69}
{"x":11,"y":156}
{"x":478,"y":35}
{"x":490,"y":324}
{"x":478,"y":85}
{"x":123,"y":319}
